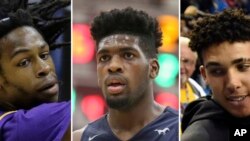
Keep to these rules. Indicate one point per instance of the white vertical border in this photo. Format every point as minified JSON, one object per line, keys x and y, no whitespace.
{"x":71,"y":67}
{"x":179,"y":56}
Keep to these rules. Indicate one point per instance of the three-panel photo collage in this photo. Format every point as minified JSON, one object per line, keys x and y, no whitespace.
{"x":124,"y":70}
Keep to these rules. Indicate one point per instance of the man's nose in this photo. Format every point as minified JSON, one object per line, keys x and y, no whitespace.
{"x":43,"y":68}
{"x":233,"y":80}
{"x":115,"y":65}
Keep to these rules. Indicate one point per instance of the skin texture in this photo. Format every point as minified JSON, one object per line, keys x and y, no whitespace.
{"x":226,"y":69}
{"x":27,"y":76}
{"x":120,"y":59}
{"x":188,"y":61}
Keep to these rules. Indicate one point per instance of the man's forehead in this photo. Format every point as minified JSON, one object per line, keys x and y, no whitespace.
{"x":188,"y":53}
{"x":119,"y":40}
{"x":23,"y":37}
{"x":23,"y":33}
{"x":120,"y":36}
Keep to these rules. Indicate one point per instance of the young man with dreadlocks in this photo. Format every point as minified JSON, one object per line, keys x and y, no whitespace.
{"x":223,"y":45}
{"x":28,"y":82}
{"x":127,"y":42}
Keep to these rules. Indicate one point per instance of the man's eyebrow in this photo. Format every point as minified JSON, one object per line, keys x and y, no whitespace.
{"x":240,"y":60}
{"x":18,"y":51}
{"x":212,"y":64}
{"x":23,"y":49}
{"x":120,"y":49}
{"x":124,"y":49}
{"x":102,"y":51}
{"x":44,"y":46}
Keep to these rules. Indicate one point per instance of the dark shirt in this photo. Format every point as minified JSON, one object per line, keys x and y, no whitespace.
{"x":204,"y":119}
{"x":163,"y":128}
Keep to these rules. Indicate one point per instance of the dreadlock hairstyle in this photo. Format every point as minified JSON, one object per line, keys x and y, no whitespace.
{"x":129,"y":21}
{"x":40,"y":15}
{"x":232,"y":25}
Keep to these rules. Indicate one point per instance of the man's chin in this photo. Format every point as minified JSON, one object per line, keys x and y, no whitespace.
{"x":118,"y":104}
{"x":240,"y":114}
{"x":51,"y":99}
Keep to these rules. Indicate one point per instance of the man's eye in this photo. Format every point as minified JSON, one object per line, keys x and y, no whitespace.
{"x":217,"y":72}
{"x":187,"y":62}
{"x":44,"y":56}
{"x":243,"y":67}
{"x":23,"y":63}
{"x":128,"y":56}
{"x":104,"y":58}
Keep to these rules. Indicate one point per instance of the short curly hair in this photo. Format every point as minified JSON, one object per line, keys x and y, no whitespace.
{"x":129,"y":21}
{"x":232,"y":25}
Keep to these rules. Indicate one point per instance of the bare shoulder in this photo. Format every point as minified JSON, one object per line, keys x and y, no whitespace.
{"x":78,"y":134}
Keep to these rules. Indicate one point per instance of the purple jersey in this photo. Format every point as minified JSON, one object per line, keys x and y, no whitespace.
{"x":46,"y":122}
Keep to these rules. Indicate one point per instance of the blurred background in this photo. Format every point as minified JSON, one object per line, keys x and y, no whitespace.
{"x":87,"y":100}
{"x":192,"y":10}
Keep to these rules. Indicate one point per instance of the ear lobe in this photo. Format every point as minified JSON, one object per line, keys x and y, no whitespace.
{"x":154,"y":68}
{"x":203,"y":73}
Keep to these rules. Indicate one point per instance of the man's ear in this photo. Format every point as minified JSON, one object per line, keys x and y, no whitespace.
{"x":203,"y":73}
{"x":153,"y":68}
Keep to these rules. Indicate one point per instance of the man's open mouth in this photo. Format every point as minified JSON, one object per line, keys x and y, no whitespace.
{"x":236,"y":98}
{"x":115,"y":86}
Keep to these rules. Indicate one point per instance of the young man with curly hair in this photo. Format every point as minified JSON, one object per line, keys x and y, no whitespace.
{"x":127,"y":42}
{"x":29,"y":87}
{"x":223,"y":45}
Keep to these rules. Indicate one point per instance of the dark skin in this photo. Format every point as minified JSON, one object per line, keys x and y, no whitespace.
{"x":25,"y":58}
{"x":27,"y":76}
{"x":125,"y":76}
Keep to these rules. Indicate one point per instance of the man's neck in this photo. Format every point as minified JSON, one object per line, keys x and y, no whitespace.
{"x":125,"y":124}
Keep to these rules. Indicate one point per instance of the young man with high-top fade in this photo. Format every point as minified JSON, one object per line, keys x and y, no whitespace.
{"x":127,"y":42}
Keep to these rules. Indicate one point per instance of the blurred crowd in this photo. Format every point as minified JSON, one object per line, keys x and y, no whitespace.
{"x":192,"y":10}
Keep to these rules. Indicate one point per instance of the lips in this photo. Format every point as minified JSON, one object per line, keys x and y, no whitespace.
{"x":237,"y":101}
{"x":49,"y":87}
{"x":115,"y":85}
{"x":237,"y":98}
